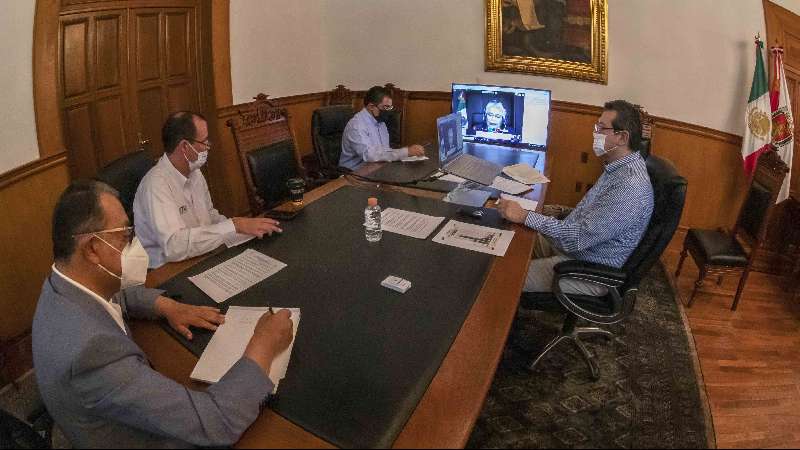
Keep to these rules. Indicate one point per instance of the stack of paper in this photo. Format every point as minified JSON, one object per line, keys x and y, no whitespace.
{"x":409,"y":223}
{"x":509,"y":186}
{"x":525,"y":174}
{"x":414,"y":158}
{"x":230,"y":340}
{"x":236,"y":274}
{"x":528,"y":205}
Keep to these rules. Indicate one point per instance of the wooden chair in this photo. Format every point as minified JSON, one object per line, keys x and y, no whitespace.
{"x":721,"y":254}
{"x":267,"y":152}
{"x":339,"y":96}
{"x":647,"y":131}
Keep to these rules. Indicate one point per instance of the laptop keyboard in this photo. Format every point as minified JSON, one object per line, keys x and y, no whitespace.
{"x":475,"y":169}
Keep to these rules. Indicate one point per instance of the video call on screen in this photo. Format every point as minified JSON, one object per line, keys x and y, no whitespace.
{"x":503,"y":115}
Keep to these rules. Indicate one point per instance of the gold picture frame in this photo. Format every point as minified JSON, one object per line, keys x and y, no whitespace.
{"x":556,"y":38}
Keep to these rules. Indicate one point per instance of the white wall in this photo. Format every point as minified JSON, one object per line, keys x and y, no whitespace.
{"x":277,"y":48}
{"x":690,"y":60}
{"x":18,"y":142}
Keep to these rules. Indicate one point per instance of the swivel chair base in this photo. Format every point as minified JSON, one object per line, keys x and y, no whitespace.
{"x":569,"y":332}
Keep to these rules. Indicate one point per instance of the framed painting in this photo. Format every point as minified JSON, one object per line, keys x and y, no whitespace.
{"x":557,"y":38}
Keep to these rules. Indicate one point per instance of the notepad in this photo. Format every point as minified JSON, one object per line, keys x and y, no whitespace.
{"x":525,"y":174}
{"x":527,"y":205}
{"x":230,"y":340}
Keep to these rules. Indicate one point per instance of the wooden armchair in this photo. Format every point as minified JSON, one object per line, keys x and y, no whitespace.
{"x":720,"y":254}
{"x":267,"y":152}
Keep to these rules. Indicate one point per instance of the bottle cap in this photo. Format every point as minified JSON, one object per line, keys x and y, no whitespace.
{"x":372,"y":201}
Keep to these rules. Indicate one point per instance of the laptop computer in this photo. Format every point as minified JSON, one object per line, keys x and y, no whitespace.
{"x":452,"y":158}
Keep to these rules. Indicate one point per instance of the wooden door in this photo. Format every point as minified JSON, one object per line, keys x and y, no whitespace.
{"x":123,"y":67}
{"x":782,"y":246}
{"x":163,"y":71}
{"x":93,"y":83}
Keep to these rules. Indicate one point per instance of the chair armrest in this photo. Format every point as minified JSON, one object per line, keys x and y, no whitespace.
{"x":575,"y":267}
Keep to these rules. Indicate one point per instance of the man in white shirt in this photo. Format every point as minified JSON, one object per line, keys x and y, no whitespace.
{"x":366,"y":138}
{"x":95,"y":381}
{"x":174,"y":216}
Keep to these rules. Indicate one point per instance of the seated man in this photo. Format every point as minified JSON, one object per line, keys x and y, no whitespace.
{"x":609,"y":222}
{"x":95,"y":381}
{"x":174,"y":216}
{"x":366,"y":138}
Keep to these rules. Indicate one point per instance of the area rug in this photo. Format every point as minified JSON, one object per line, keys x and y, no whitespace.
{"x":648,"y":395}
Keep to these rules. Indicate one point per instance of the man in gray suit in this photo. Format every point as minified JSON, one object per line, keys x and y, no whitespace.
{"x":95,"y":381}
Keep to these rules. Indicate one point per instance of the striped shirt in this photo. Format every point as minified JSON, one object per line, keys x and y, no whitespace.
{"x":609,"y":222}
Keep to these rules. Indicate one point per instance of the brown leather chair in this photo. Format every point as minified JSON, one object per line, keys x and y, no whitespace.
{"x":721,"y":254}
{"x":267,"y":153}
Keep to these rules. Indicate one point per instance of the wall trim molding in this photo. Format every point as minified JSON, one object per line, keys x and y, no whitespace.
{"x":31,"y":168}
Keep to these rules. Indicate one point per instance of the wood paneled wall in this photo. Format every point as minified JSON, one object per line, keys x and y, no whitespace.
{"x":28,"y":195}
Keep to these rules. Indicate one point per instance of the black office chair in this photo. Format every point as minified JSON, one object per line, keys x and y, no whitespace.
{"x":125,"y":174}
{"x":15,"y":433}
{"x":669,"y":189}
{"x":327,"y":127}
{"x":271,"y":167}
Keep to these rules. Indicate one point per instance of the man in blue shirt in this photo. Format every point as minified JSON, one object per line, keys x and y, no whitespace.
{"x":366,"y":138}
{"x":609,"y":222}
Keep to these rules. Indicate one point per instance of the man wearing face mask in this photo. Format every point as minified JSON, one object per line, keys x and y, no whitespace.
{"x":95,"y":381}
{"x":173,"y":212}
{"x":366,"y":138}
{"x":609,"y":222}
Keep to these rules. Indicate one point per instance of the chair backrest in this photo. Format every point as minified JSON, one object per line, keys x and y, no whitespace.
{"x":125,"y":174}
{"x":669,"y":195}
{"x":327,"y":127}
{"x":396,"y":122}
{"x":761,"y":197}
{"x":267,"y":152}
{"x":339,"y":96}
{"x":647,"y":131}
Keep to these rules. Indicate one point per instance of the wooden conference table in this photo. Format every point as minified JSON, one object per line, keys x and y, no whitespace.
{"x":447,"y":412}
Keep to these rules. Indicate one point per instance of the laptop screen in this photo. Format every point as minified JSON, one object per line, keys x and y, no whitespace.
{"x":450,"y":140}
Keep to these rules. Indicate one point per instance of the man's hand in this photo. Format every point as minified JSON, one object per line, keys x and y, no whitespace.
{"x":511,"y":211}
{"x":416,"y":150}
{"x":272,"y":336}
{"x":181,"y":317}
{"x":256,"y":226}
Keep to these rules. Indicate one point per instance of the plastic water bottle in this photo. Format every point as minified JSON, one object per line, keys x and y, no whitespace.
{"x":372,"y":220}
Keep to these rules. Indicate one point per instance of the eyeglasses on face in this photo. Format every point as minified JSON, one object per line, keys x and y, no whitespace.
{"x":129,"y":231}
{"x":598,"y":127}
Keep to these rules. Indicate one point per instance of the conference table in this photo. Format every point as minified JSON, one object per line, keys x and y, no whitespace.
{"x":446,"y":413}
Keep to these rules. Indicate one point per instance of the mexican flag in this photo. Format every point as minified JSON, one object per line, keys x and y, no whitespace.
{"x":758,"y":117}
{"x":782,"y":123}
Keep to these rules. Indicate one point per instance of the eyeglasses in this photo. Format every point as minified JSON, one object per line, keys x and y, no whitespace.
{"x":207,"y":142}
{"x":385,"y":107}
{"x":598,"y":127}
{"x":129,"y":231}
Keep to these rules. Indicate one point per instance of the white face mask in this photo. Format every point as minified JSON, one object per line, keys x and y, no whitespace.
{"x":599,"y":145}
{"x":202,"y":157}
{"x":134,"y":264}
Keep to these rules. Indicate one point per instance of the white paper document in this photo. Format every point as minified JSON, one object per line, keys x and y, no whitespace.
{"x":236,"y":274}
{"x":528,"y":205}
{"x":475,"y":237}
{"x":452,"y":178}
{"x":509,"y":186}
{"x":525,"y":174}
{"x":409,"y":223}
{"x":230,"y":340}
{"x":414,"y":158}
{"x":238,"y":239}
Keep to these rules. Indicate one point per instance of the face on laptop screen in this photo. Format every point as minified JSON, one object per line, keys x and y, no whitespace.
{"x":450,"y":143}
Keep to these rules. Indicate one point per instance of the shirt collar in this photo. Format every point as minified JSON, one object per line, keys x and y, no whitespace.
{"x":370,"y":118}
{"x":113,"y":310}
{"x":612,"y":167}
{"x":174,"y":174}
